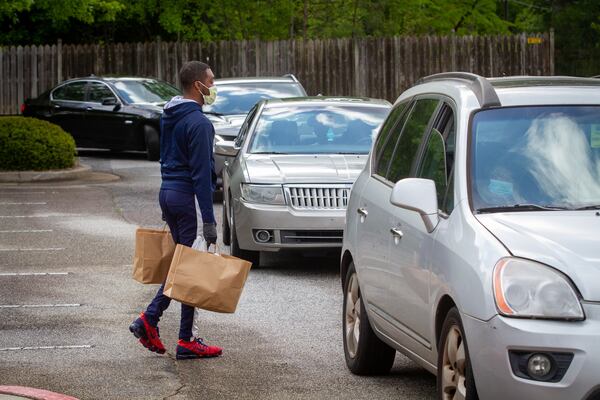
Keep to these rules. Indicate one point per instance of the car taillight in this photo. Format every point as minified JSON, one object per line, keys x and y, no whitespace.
{"x":23,"y":107}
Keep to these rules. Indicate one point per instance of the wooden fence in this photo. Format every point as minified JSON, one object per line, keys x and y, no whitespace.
{"x":374,"y":67}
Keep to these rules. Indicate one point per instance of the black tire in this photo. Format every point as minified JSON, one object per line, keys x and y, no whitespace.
{"x":152,"y":141}
{"x":371,"y":355}
{"x":452,"y":322}
{"x":225,"y":232}
{"x":252,"y":256}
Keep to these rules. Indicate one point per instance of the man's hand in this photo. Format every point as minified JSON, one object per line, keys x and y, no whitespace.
{"x":209,"y":231}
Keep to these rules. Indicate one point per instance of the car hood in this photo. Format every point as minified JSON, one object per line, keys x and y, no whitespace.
{"x":227,"y":125}
{"x":566,"y":240}
{"x":285,"y":169}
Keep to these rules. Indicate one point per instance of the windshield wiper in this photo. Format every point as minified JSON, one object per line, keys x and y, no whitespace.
{"x":520,"y":207}
{"x":267,"y":152}
{"x":592,"y":207}
{"x":218,"y":114}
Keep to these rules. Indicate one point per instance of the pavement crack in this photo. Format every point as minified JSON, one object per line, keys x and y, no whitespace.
{"x":182,"y":386}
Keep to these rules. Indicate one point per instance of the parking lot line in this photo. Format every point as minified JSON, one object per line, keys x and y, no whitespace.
{"x":42,"y":216}
{"x":66,"y":347}
{"x":33,"y":273}
{"x":38,"y":305}
{"x":28,"y":231}
{"x":34,"y":249}
{"x":39,"y":203}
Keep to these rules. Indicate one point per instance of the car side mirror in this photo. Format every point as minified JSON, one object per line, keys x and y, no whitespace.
{"x":226,"y":148}
{"x":109,"y":101}
{"x":417,"y":195}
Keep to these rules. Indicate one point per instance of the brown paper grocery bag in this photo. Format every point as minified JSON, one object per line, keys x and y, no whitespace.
{"x":153,"y":254}
{"x":206,"y":280}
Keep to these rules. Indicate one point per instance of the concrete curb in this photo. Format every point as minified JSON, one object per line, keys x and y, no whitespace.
{"x":41,"y":176}
{"x":31,"y":393}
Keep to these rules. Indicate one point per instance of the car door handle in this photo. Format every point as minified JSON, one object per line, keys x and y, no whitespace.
{"x":397,"y":233}
{"x":88,"y":109}
{"x":57,"y":106}
{"x":362,"y":212}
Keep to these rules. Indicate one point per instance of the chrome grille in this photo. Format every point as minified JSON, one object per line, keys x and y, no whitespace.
{"x":305,"y":197}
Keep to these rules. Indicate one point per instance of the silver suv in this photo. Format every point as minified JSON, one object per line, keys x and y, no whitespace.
{"x":472,"y":242}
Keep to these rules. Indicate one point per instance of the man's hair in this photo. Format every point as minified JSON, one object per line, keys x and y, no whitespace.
{"x":191,"y":72}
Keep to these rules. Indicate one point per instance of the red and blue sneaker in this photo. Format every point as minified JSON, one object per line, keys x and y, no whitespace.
{"x":196,"y":349}
{"x":148,"y":334}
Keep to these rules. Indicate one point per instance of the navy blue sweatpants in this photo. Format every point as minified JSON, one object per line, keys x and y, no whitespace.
{"x":179,"y":210}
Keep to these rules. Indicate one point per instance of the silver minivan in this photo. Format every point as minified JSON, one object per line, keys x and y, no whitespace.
{"x":472,"y":242}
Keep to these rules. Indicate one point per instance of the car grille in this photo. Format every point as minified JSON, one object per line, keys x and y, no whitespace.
{"x":330,"y":197}
{"x":297,"y":237}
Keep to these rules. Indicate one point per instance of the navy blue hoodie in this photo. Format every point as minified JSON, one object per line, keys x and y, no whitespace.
{"x":186,"y":153}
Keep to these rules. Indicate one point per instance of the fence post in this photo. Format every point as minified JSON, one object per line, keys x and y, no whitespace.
{"x":356,"y":77}
{"x":551,"y":51}
{"x":59,"y":71}
{"x":158,"y":58}
{"x":257,"y":55}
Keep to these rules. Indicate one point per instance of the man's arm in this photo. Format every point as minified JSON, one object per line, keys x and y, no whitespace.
{"x":201,"y":152}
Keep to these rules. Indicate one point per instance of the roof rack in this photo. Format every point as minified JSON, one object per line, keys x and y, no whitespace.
{"x":292,"y":76}
{"x":481,"y":87}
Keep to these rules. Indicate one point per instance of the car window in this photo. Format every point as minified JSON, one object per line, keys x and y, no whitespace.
{"x":71,"y":91}
{"x":98,"y":91}
{"x":438,"y":157}
{"x":313,"y":128}
{"x":547,"y":156}
{"x":406,"y":149}
{"x":239,"y":98}
{"x":144,"y":91}
{"x":389,"y":132}
{"x":239,"y":140}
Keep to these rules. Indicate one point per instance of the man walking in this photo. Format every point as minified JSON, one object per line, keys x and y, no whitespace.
{"x":187,"y":170}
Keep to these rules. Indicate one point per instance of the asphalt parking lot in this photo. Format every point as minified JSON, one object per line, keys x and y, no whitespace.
{"x":67,"y":298}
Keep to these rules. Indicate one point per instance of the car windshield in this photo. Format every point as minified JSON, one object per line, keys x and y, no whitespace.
{"x":145,"y":91}
{"x":239,"y":98}
{"x":330,"y":129}
{"x":536,"y":158}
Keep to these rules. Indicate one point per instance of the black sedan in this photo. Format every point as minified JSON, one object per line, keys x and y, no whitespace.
{"x":107,"y":113}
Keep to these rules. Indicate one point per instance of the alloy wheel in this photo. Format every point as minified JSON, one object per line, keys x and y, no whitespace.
{"x":352,"y":318}
{"x":454,"y":366}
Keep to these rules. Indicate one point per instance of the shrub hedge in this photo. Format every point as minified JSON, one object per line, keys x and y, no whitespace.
{"x":33,"y":144}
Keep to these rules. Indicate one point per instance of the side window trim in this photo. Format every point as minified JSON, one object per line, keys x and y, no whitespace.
{"x":375,"y":157}
{"x":251,"y":121}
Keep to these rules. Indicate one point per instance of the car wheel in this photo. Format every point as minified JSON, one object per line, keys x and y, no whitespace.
{"x":225,"y":232}
{"x":252,"y":256}
{"x":152,"y":143}
{"x":365,"y":353}
{"x":455,"y":376}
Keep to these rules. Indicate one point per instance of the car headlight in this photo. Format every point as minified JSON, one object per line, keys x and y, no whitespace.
{"x":527,"y":289}
{"x":264,"y":194}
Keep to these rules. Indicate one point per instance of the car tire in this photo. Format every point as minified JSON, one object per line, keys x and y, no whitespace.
{"x":454,"y":366}
{"x":252,"y":256}
{"x":225,"y":231}
{"x":152,"y":141}
{"x":365,"y":353}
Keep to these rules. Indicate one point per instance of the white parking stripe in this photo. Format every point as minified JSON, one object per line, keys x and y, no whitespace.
{"x":67,"y":347}
{"x":42,"y":216}
{"x":37,"y":305}
{"x":33,"y":249}
{"x":41,"y":203}
{"x":33,"y":273}
{"x":28,"y":231}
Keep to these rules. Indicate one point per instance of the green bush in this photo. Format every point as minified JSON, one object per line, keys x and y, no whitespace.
{"x":33,"y":144}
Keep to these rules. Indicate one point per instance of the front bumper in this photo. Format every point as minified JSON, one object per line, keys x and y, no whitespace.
{"x":291,"y":229}
{"x":490,"y":341}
